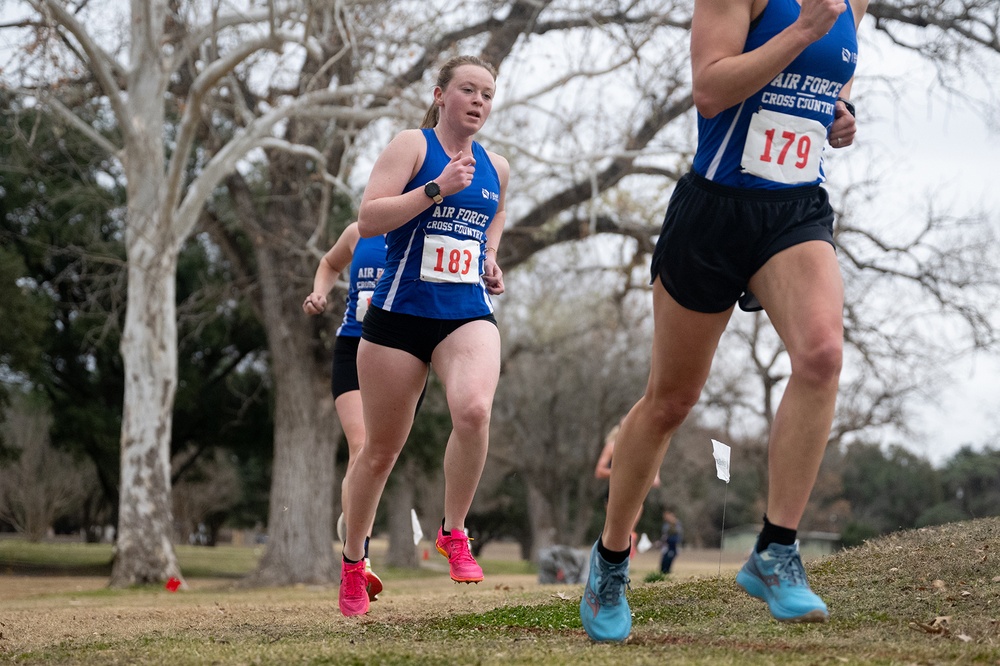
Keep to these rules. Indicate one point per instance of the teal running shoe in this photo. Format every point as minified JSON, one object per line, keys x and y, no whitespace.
{"x":777,"y":576}
{"x":603,"y":609}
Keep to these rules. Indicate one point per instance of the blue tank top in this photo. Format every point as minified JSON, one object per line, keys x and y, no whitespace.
{"x":434,"y":262}
{"x":367,"y":264}
{"x":782,"y":147}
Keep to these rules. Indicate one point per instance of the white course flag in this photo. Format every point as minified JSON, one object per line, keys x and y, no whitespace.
{"x":418,"y":533}
{"x":644,"y":543}
{"x":721,"y":454}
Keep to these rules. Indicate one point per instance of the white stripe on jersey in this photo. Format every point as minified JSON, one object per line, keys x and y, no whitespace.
{"x":397,"y":278}
{"x":717,"y":159}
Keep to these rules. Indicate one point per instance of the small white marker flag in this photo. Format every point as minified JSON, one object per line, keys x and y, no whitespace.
{"x":418,"y":533}
{"x":644,"y":543}
{"x":720,"y":452}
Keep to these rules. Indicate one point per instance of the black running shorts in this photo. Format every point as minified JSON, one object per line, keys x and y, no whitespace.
{"x":715,"y":237}
{"x":418,"y":336}
{"x":344,"y":376}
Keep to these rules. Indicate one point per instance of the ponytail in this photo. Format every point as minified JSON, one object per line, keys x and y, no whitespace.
{"x":431,"y":117}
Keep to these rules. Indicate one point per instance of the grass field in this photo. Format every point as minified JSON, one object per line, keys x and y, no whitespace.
{"x":89,"y":559}
{"x":929,"y":596}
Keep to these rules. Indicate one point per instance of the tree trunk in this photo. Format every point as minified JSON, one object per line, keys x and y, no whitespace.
{"x":401,"y":498}
{"x":542,"y":517}
{"x":300,"y":522}
{"x":306,"y":431}
{"x":576,"y":532}
{"x":144,"y":552}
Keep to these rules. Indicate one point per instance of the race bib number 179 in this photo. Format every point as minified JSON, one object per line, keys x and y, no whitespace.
{"x":783,"y":148}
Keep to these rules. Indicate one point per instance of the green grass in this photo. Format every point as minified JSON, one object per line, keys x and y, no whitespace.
{"x":94,"y":559}
{"x":929,"y":596}
{"x":217,"y":562}
{"x":19,"y":556}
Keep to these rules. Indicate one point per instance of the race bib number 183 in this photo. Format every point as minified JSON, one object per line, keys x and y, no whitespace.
{"x":448,"y":259}
{"x":783,"y":148}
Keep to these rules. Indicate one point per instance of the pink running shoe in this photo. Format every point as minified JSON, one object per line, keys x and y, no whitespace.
{"x":353,"y":595}
{"x":374,"y":582}
{"x":455,"y":547}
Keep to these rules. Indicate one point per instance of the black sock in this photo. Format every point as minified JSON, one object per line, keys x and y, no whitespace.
{"x":612,"y":556}
{"x":350,"y":561}
{"x":443,"y":530}
{"x":775,"y":534}
{"x":366,"y":547}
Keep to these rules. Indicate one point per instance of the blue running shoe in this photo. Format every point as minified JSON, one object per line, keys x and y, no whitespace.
{"x":777,"y":576}
{"x":603,"y":609}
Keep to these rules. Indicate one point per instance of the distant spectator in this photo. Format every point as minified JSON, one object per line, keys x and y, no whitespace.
{"x":670,"y":540}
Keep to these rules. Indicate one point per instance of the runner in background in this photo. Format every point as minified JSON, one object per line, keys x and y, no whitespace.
{"x":365,"y":258}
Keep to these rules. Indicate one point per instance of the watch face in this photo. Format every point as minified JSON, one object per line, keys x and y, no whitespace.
{"x":432,"y":190}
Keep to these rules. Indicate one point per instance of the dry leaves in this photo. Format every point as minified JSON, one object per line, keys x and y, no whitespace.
{"x":939,"y":627}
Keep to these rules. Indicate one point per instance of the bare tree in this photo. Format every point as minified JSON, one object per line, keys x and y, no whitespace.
{"x":208,"y":487}
{"x":41,"y":484}
{"x":168,"y":185}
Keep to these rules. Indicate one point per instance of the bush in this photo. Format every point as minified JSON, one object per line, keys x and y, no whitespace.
{"x":939,"y":514}
{"x":855,"y":534}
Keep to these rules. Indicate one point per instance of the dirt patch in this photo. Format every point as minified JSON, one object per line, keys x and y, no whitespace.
{"x":39,"y":612}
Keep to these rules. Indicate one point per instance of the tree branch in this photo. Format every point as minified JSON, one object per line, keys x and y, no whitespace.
{"x":977,"y":22}
{"x":253,"y":136}
{"x":100,"y":61}
{"x":522,"y":240}
{"x":67,"y":114}
{"x":192,"y":111}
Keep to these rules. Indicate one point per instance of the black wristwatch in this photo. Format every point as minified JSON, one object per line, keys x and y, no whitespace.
{"x":432,"y":190}
{"x":850,"y":107}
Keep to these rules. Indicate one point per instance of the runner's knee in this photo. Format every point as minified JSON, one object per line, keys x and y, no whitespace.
{"x":820,"y":364}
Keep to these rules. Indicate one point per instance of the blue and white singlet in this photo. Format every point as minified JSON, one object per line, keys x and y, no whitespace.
{"x":775,"y":138}
{"x":367,"y":264}
{"x":434,"y":262}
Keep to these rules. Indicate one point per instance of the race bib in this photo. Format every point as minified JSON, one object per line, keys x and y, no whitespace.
{"x":364,"y":300}
{"x":783,"y":148}
{"x":448,"y":259}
